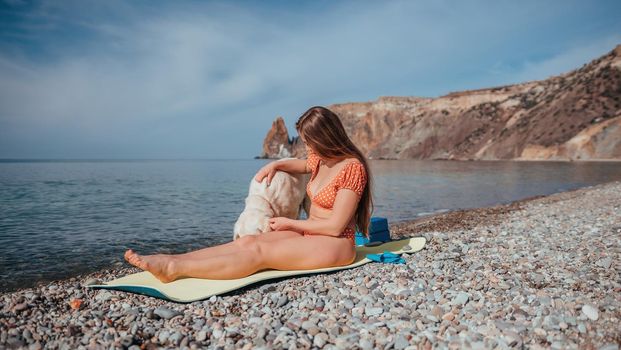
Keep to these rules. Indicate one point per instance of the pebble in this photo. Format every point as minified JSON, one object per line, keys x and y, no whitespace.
{"x":461,"y":299}
{"x":175,"y":338}
{"x":320,"y":340}
{"x":91,"y":281}
{"x":163,"y":336}
{"x":282,"y":301}
{"x":581,"y":328}
{"x":449,"y":316}
{"x":605,"y":263}
{"x":166,"y":313}
{"x":400,"y":342}
{"x":590,"y":312}
{"x":373,"y":311}
{"x":21,"y":307}
{"x":201,"y":336}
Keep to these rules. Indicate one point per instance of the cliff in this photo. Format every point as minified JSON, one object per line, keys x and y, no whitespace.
{"x":573,"y":116}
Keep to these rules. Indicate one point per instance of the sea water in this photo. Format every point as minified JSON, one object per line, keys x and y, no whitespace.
{"x":63,"y":218}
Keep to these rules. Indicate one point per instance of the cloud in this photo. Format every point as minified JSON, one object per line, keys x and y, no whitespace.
{"x":188,"y":76}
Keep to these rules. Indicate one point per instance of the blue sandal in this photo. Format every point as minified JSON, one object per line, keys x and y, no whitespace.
{"x":387,"y":257}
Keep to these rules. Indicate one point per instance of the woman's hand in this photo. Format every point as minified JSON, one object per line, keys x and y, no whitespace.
{"x":268,"y":170}
{"x":281,"y":223}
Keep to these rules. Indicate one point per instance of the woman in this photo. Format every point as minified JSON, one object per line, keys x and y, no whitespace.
{"x":340,"y":194}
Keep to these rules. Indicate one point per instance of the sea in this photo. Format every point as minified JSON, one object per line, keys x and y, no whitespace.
{"x":63,"y":218}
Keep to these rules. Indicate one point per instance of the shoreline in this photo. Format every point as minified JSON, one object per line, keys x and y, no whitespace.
{"x":538,"y":272}
{"x":446,"y":220}
{"x":449,"y":220}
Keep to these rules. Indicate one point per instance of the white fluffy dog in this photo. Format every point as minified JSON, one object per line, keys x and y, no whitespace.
{"x":285,"y":196}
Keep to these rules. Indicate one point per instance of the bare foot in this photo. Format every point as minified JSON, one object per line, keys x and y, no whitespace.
{"x":161,"y":266}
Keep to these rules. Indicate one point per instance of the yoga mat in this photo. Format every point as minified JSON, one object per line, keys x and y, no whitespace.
{"x":191,"y":289}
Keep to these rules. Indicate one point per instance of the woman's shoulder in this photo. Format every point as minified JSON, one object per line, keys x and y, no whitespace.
{"x":352,"y":166}
{"x":353,"y":176}
{"x":353,"y":161}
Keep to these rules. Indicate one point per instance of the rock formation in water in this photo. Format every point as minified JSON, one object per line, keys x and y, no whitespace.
{"x":573,"y":116}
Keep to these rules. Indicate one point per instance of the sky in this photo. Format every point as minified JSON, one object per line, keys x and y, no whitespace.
{"x":205,"y":79}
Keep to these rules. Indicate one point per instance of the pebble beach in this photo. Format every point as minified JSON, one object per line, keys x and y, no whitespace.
{"x":538,"y":273}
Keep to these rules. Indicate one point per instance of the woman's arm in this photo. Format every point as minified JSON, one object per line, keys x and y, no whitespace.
{"x":344,"y":208}
{"x":288,"y":165}
{"x":292,"y":166}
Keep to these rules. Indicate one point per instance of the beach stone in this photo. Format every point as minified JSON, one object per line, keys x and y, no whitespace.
{"x":449,"y":316}
{"x":127,"y":341}
{"x":581,"y":328}
{"x":512,"y":339}
{"x":590,"y":312}
{"x":373,"y":311}
{"x":201,"y":336}
{"x":21,"y":307}
{"x":320,"y":340}
{"x":257,"y":321}
{"x":15,"y":342}
{"x":148,"y":332}
{"x":32,"y":296}
{"x":345,"y":342}
{"x":103,"y":295}
{"x":91,"y":281}
{"x":262,"y":332}
{"x":166,"y":313}
{"x":163,"y":336}
{"x":217,"y":333}
{"x":109,"y":336}
{"x":365,"y":344}
{"x":198,"y":324}
{"x":314,"y":330}
{"x":461,"y":298}
{"x":400,"y":342}
{"x":605,"y":263}
{"x":151,"y":315}
{"x":175,"y":338}
{"x":308,"y":324}
{"x":282,"y":301}
{"x":436,"y":311}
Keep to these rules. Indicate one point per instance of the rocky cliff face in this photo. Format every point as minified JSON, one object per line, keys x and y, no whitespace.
{"x":574,"y":116}
{"x":277,"y":143}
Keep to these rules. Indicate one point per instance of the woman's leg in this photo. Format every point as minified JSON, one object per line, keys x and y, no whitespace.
{"x":220,"y":249}
{"x":163,"y":266}
{"x":234,"y":246}
{"x":296,"y":253}
{"x":243,"y":261}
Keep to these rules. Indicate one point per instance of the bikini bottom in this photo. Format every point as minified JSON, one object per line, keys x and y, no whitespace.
{"x":348,"y":233}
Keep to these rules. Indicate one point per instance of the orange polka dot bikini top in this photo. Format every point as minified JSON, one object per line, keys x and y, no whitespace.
{"x":353,"y":176}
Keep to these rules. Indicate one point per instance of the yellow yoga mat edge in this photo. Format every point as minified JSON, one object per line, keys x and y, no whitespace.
{"x":192,"y":289}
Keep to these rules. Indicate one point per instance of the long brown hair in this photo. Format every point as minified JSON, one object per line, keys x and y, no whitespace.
{"x":324,"y":133}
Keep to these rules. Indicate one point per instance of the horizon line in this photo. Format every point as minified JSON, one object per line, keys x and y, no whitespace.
{"x":7,"y":160}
